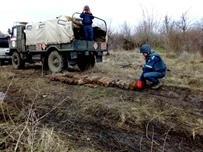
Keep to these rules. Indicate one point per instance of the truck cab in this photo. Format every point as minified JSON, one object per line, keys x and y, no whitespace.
{"x":57,"y":43}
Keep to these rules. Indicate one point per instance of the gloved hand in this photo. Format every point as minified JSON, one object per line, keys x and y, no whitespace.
{"x":139,"y":84}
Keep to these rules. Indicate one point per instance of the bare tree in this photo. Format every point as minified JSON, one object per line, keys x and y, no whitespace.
{"x":125,"y":29}
{"x":167,"y":31}
{"x":198,"y":35}
{"x":147,"y":29}
{"x":168,"y":24}
{"x":1,"y":34}
{"x":184,"y":23}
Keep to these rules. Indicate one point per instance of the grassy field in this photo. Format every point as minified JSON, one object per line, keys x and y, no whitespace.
{"x":40,"y":115}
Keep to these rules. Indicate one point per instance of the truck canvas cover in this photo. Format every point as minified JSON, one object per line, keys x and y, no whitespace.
{"x":53,"y":31}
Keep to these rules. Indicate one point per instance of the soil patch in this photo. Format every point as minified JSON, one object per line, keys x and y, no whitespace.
{"x":99,"y":118}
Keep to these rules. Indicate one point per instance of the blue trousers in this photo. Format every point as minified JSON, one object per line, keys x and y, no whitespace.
{"x":88,"y":32}
{"x":154,"y":76}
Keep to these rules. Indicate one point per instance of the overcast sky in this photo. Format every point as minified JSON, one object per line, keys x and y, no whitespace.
{"x":114,"y":12}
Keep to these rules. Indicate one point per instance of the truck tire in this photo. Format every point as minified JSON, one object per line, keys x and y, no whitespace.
{"x":17,"y":62}
{"x":56,"y":62}
{"x":86,"y":62}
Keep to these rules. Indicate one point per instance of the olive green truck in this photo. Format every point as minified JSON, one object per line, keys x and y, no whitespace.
{"x":57,"y":43}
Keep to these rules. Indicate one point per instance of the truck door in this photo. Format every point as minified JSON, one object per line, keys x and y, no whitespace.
{"x":21,"y":38}
{"x":13,"y":39}
{"x":17,"y":40}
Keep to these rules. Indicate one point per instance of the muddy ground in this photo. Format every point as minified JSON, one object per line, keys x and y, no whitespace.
{"x":97,"y":119}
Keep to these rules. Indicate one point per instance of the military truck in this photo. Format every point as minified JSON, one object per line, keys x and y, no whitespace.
{"x":57,"y":43}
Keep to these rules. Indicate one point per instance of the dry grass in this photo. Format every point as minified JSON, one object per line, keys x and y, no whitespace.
{"x":183,"y":70}
{"x":42,"y":116}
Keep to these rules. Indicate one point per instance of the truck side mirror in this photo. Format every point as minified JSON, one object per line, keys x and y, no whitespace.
{"x":9,"y":31}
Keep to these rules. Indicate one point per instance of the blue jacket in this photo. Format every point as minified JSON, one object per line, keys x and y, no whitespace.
{"x":87,"y":18}
{"x":154,"y":63}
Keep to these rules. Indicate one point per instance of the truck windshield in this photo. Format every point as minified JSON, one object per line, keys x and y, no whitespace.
{"x":14,"y":32}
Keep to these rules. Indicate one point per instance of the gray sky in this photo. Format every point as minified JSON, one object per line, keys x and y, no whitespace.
{"x":114,"y":12}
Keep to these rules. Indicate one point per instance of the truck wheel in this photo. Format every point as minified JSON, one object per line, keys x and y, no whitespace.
{"x":86,"y":62}
{"x":56,"y":62}
{"x":91,"y":61}
{"x":17,"y":62}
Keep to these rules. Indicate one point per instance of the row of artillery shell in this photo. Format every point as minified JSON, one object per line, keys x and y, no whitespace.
{"x":77,"y":79}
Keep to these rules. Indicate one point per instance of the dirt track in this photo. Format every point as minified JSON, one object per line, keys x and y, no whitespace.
{"x":106,"y":119}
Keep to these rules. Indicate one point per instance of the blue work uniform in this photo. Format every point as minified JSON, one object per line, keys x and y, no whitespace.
{"x":87,"y":25}
{"x":154,"y":68}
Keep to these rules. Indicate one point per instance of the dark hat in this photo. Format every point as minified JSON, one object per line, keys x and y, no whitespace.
{"x":86,"y":7}
{"x":145,"y":48}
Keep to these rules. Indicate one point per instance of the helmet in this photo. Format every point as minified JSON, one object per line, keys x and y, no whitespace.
{"x":145,"y":48}
{"x":86,"y":7}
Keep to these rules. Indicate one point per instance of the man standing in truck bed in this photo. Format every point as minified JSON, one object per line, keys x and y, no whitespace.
{"x":87,"y":17}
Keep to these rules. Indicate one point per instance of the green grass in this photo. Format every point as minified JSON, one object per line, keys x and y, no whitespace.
{"x":158,"y":50}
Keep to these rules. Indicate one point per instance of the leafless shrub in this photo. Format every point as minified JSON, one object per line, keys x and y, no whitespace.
{"x":182,"y":35}
{"x":165,"y":32}
{"x":147,"y":29}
